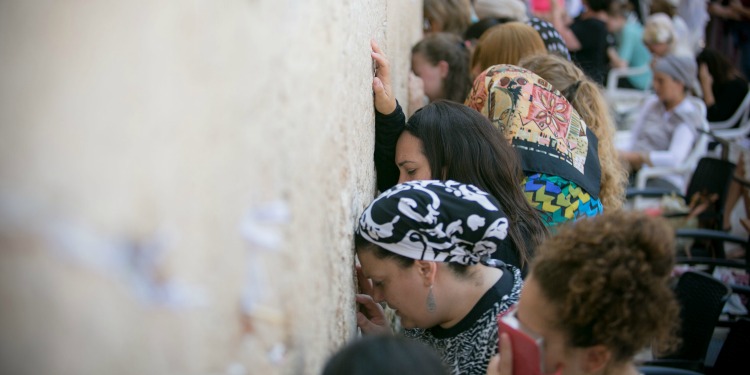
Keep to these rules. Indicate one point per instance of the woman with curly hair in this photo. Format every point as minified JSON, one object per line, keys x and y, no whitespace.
{"x":597,"y":294}
{"x":586,"y":98}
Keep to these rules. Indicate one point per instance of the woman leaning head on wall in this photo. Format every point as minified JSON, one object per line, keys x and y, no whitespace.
{"x":425,"y":249}
{"x":587,"y":99}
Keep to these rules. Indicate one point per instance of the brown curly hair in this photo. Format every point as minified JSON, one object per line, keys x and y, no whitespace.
{"x":607,"y":278}
{"x":587,"y":99}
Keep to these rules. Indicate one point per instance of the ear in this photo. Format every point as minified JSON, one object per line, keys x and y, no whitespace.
{"x":596,"y":358}
{"x":443,"y":67}
{"x":427,"y":271}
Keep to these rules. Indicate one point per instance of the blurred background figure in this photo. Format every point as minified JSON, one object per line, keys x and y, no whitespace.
{"x":495,"y":12}
{"x":452,"y":16}
{"x":440,"y":63}
{"x":661,"y":37}
{"x":629,"y":50}
{"x":723,"y":85}
{"x":667,"y":126}
{"x":506,"y":44}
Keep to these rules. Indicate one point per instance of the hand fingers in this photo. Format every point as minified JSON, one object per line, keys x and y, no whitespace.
{"x":506,"y":356}
{"x":370,"y":308}
{"x":383,"y":66}
{"x":369,"y":327}
{"x":493,"y":368}
{"x":375,"y":47}
{"x":365,"y":285}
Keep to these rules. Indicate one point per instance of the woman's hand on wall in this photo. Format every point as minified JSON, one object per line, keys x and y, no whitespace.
{"x":385,"y":102}
{"x":371,"y":317}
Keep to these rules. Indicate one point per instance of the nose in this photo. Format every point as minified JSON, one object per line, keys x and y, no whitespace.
{"x":402,"y":177}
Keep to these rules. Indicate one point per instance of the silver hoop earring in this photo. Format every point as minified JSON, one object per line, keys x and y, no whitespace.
{"x":431,"y":306}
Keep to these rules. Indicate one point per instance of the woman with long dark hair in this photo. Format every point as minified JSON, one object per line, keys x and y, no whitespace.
{"x":447,"y":140}
{"x":723,"y":85}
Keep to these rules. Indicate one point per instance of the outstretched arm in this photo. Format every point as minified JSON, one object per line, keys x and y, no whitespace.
{"x":389,"y":122}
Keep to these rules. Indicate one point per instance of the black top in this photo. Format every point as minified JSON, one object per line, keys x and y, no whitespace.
{"x":467,"y":347}
{"x":592,"y":57}
{"x":387,"y":130}
{"x":729,"y":96}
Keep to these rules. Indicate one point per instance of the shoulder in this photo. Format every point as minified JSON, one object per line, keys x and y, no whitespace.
{"x":633,"y":29}
{"x":651,"y":103}
{"x":737,"y":85}
{"x":690,"y":110}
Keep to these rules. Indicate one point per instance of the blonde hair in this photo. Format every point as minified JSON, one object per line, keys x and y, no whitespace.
{"x":587,"y":99}
{"x":659,"y":28}
{"x":507,"y":44}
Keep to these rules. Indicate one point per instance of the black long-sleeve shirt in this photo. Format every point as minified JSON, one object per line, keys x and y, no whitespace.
{"x":387,"y":130}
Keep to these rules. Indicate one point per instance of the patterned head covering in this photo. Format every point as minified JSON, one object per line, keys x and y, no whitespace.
{"x":443,"y":221}
{"x":545,"y":129}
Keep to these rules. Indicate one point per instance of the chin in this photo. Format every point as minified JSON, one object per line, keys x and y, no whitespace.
{"x":408,"y":323}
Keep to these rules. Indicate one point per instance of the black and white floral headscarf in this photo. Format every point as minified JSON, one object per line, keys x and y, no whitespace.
{"x":444,"y":221}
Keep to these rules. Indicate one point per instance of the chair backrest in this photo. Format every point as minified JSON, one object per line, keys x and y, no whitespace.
{"x":735,"y":350}
{"x":739,"y":116}
{"x":704,"y":138}
{"x":701,"y":298}
{"x":615,"y":74}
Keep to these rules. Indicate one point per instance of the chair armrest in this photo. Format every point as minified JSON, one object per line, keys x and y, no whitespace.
{"x":675,"y":366}
{"x":616,"y":73}
{"x":740,"y":113}
{"x":729,"y":263}
{"x":661,"y":370}
{"x":648,"y":172}
{"x":710,"y":234}
{"x":650,"y":192}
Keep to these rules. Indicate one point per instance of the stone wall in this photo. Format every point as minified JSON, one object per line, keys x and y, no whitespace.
{"x":179,"y":180}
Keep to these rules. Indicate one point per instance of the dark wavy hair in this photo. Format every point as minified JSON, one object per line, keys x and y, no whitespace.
{"x":451,"y":49}
{"x":720,"y":68}
{"x":607,"y":278}
{"x":461,"y":144}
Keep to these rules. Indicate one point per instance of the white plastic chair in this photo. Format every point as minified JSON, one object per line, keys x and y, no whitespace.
{"x":624,"y":102}
{"x":686,"y":168}
{"x":723,"y":129}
